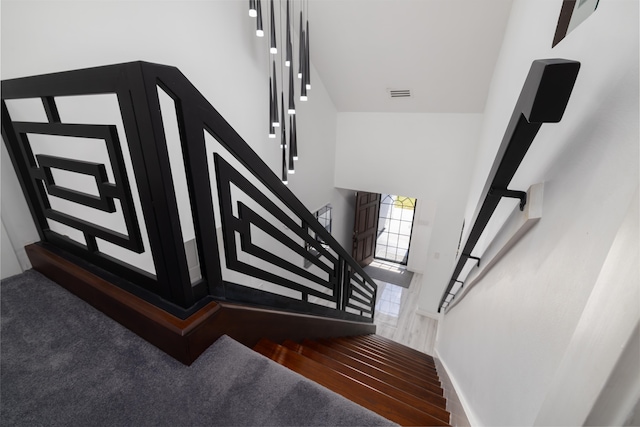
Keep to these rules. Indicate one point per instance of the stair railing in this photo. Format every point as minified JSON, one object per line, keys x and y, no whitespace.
{"x":543,"y":99}
{"x":251,"y":235}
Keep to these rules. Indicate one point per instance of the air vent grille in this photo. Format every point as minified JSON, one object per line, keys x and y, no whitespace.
{"x":399,"y":93}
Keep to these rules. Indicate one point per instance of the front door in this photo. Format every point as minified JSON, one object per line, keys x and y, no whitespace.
{"x":365,"y":227}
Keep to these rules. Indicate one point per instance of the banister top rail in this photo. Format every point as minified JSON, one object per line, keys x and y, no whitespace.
{"x":543,"y":99}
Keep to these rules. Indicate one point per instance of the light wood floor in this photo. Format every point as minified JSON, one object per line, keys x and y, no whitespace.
{"x":396,"y":316}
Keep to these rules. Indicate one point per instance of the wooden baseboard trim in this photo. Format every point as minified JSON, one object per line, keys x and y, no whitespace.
{"x":186,"y":339}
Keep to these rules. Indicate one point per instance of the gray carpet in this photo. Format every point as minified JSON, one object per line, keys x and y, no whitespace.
{"x":65,"y":363}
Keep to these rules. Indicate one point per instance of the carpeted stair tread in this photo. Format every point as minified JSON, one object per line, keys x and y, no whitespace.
{"x":382,"y":364}
{"x":62,"y":363}
{"x":409,"y":387}
{"x":404,"y":361}
{"x":350,"y":388}
{"x":371,"y":381}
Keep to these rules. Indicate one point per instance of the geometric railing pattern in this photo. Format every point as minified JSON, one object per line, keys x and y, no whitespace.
{"x":323,"y":283}
{"x":178,"y":207}
{"x":41,"y":173}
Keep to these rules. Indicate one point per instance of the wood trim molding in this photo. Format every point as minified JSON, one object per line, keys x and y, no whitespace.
{"x":186,"y":339}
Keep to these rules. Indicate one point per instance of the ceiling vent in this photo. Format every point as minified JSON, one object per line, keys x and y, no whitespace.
{"x":399,"y":93}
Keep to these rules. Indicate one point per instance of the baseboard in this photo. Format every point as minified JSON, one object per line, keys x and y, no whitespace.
{"x":428,"y":314}
{"x":23,"y":259}
{"x":186,"y":339}
{"x":461,"y":415}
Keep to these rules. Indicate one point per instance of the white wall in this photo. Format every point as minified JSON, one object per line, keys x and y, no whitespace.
{"x":15,"y":212}
{"x":427,"y":156}
{"x":212,"y":43}
{"x":522,"y":328}
{"x":609,"y":321}
{"x":10,"y":265}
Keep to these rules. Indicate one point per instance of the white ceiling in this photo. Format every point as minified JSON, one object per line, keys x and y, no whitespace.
{"x":443,"y":50}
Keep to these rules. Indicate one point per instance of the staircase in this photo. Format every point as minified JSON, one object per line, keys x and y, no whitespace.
{"x":242,"y":264}
{"x":395,"y":381}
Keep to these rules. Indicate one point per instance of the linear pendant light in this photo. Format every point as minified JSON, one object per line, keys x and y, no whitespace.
{"x":284,"y":166}
{"x":292,"y":168}
{"x":300,"y":49}
{"x":307,"y":74}
{"x":252,"y":9}
{"x":292,"y":104}
{"x":294,"y":138}
{"x":283,"y":144}
{"x":259,"y":30}
{"x":273,"y":49}
{"x":272,"y":130}
{"x":276,"y":119}
{"x":303,"y":66}
{"x":288,"y":57}
{"x":283,"y":141}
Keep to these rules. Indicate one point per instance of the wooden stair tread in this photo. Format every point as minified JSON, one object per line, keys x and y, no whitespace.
{"x":427,"y":374}
{"x":387,"y":377}
{"x":369,"y":380}
{"x":435,"y":388}
{"x":401,"y":347}
{"x":408,"y":362}
{"x":396,"y":350}
{"x":351,"y":389}
{"x":393,"y":351}
{"x":382,"y":365}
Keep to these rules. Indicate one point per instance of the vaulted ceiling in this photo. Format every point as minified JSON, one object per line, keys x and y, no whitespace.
{"x":444,"y":51}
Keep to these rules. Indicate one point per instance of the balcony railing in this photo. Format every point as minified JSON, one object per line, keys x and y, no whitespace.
{"x":129,"y":168}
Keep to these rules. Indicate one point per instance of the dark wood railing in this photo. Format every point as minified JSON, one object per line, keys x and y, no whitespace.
{"x":543,"y":99}
{"x":236,"y":201}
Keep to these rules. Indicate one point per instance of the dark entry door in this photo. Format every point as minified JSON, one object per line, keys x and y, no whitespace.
{"x":365,"y":227}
